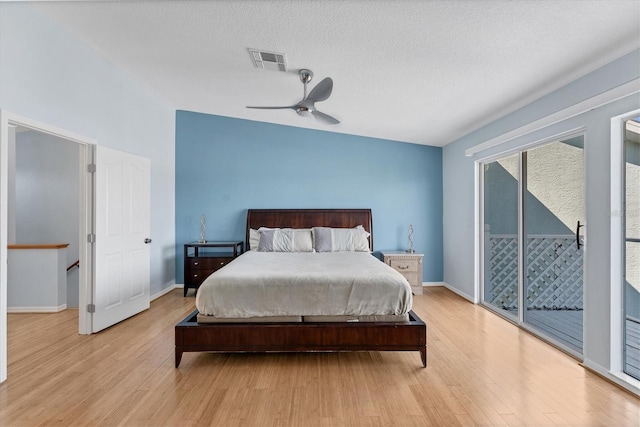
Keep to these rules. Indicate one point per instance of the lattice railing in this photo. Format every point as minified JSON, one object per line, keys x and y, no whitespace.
{"x":554,"y":276}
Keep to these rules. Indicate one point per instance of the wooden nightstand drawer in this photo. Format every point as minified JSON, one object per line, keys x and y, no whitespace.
{"x":412,"y":278}
{"x":407,"y":264}
{"x":207,"y":263}
{"x":199,"y":276}
{"x":404,"y":265}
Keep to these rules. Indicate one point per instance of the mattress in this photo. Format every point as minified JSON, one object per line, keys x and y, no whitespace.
{"x":379,"y":318}
{"x":273,"y":284}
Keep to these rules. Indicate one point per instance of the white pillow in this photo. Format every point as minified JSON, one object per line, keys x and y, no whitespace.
{"x":254,"y":239}
{"x":285,"y":240}
{"x":328,"y":239}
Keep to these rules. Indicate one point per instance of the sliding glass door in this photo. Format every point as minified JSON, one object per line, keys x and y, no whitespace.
{"x":533,"y":213}
{"x":553,"y":223}
{"x":631,"y":291}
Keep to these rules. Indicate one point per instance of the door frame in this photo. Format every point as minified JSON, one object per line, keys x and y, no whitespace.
{"x":85,"y":250}
{"x":480,"y":235}
{"x":479,"y":197}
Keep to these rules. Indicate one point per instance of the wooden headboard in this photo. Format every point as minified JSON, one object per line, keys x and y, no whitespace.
{"x":307,"y":218}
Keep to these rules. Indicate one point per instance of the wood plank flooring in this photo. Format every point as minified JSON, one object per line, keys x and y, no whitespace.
{"x":481,"y":370}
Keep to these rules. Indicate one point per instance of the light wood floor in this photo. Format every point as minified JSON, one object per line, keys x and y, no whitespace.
{"x":482,"y":371}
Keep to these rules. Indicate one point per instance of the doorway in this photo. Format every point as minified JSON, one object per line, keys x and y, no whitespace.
{"x":85,"y":223}
{"x":113,"y":225}
{"x":43,"y":209}
{"x":533,"y":241}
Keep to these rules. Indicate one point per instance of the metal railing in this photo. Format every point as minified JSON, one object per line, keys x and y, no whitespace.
{"x":75,"y":264}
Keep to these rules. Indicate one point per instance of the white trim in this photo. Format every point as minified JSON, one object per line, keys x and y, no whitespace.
{"x":432,"y":284}
{"x":37,"y":309}
{"x":522,"y":208}
{"x":85,"y":249}
{"x":623,"y":380}
{"x":165,"y":291}
{"x":17,"y":120}
{"x":459,"y":292}
{"x":616,"y":222}
{"x":581,"y":130}
{"x":478,"y":235}
{"x":4,"y":187}
{"x":588,"y":104}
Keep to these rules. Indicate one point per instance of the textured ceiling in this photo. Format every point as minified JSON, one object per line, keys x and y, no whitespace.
{"x":425,"y":72}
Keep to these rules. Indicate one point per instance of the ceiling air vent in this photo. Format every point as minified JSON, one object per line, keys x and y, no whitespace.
{"x":268,"y":60}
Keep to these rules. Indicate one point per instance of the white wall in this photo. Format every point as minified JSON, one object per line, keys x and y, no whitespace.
{"x":48,"y":75}
{"x":47,"y":198}
{"x":37,"y":280}
{"x":458,"y":183}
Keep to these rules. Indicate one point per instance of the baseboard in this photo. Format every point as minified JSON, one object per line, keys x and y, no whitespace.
{"x":604,"y":372}
{"x":37,"y":309}
{"x":429,"y":284}
{"x":459,"y":292}
{"x":166,"y":291}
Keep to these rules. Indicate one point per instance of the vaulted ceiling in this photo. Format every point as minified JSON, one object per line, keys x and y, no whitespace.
{"x":425,"y":72}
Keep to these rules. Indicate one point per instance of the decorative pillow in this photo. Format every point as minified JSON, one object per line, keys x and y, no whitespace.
{"x":341,"y":239}
{"x":285,"y":240}
{"x":254,"y":239}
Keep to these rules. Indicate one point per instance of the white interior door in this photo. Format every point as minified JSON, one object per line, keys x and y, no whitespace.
{"x":122,"y":224}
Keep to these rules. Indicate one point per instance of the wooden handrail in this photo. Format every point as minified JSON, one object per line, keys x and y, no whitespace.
{"x":75,"y":264}
{"x":39,"y":246}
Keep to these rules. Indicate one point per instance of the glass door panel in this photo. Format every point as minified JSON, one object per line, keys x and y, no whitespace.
{"x":500,"y":201}
{"x":553,"y":176}
{"x":631,"y":292}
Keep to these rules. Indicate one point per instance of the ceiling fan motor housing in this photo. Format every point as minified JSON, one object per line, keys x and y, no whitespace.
{"x":305,"y":75}
{"x":304,"y":111}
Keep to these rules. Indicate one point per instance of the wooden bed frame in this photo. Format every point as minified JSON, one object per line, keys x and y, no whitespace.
{"x":191,"y":336}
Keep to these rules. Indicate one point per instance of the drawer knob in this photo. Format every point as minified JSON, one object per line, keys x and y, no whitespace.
{"x":403,"y":267}
{"x":195,"y":275}
{"x":196,"y":263}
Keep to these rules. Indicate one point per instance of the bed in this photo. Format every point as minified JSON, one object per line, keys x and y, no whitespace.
{"x":313,"y":334}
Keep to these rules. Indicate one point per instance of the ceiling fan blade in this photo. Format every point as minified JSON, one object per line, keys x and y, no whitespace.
{"x":274,"y":108}
{"x":322,"y":90}
{"x":324,"y":118}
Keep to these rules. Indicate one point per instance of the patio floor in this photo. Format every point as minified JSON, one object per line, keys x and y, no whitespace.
{"x":564,"y":326}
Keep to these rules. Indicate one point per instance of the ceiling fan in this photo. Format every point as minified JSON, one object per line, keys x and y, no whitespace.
{"x":306,"y":107}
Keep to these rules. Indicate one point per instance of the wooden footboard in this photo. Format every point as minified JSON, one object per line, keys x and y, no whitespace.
{"x":190,"y":336}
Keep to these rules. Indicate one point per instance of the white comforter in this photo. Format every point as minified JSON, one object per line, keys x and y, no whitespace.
{"x":258,"y":284}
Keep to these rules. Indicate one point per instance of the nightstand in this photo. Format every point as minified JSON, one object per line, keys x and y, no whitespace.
{"x":202,"y":259}
{"x":409,"y":265}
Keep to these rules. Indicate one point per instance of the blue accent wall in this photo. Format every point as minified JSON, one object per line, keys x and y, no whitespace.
{"x":225,"y":166}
